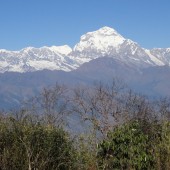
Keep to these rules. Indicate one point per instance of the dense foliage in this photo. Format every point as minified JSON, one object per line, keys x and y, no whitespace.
{"x":128,"y":147}
{"x":33,"y":145}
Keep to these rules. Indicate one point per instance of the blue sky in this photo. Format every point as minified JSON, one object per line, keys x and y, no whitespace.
{"x":57,"y":22}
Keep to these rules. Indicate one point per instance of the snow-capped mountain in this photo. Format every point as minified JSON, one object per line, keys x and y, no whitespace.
{"x":32,"y":59}
{"x":105,"y":42}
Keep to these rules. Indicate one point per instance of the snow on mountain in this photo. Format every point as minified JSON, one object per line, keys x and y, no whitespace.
{"x":99,"y":40}
{"x":64,"y":50}
{"x":105,"y":42}
{"x":32,"y":59}
{"x":96,"y":44}
{"x":162,"y":54}
{"x":156,"y":60}
{"x":108,"y":42}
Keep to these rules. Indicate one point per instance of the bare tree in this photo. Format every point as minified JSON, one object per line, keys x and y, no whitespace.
{"x":163,"y":108}
{"x":98,"y":105}
{"x":137,"y":107}
{"x":52,"y":103}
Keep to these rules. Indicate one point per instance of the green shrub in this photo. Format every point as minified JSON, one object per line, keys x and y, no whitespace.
{"x":34,"y":146}
{"x":130,"y":146}
{"x":162,"y":150}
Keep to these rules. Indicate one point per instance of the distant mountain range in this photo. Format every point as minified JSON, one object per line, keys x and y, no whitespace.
{"x":105,"y":42}
{"x":99,"y":56}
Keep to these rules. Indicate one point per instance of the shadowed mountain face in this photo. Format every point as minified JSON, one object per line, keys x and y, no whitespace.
{"x":152,"y":81}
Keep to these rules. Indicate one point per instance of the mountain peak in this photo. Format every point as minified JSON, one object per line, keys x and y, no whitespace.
{"x":101,"y":39}
{"x":108,"y":31}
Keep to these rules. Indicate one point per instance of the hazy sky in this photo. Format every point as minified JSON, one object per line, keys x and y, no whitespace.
{"x":57,"y":22}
